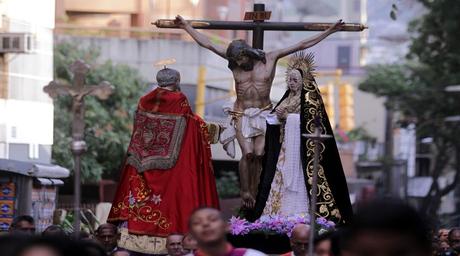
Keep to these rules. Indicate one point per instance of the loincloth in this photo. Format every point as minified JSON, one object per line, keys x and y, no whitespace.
{"x":253,"y":124}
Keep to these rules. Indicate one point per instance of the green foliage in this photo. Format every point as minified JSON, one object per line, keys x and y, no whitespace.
{"x":228,"y":185}
{"x":108,"y":123}
{"x":416,"y":89}
{"x":390,"y":81}
{"x":360,"y":134}
{"x":435,"y":48}
{"x":87,"y":222}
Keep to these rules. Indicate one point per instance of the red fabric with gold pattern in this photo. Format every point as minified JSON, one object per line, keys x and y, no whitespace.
{"x":158,"y":202}
{"x":156,"y":140}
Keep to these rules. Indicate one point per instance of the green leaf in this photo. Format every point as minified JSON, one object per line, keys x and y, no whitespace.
{"x":107,"y":135}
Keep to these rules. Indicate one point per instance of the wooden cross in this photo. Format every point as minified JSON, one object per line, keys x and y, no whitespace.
{"x":78,"y":91}
{"x":258,"y":25}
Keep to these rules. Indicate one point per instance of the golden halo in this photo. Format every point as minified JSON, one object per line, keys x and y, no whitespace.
{"x":164,"y":62}
{"x":305,"y":62}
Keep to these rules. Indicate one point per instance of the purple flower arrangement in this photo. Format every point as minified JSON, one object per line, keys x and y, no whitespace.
{"x":278,"y":224}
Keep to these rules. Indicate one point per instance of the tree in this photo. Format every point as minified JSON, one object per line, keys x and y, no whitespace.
{"x":108,"y":123}
{"x":435,"y":47}
{"x":416,"y":89}
{"x":389,"y":81}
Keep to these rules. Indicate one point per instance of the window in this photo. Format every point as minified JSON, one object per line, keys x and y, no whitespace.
{"x":6,"y":43}
{"x":33,"y":151}
{"x":13,"y":132}
{"x":29,"y":43}
{"x":15,"y":42}
{"x":344,"y":58}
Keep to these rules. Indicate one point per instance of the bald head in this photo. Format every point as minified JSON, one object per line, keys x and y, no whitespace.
{"x":301,"y":231}
{"x":299,"y":239}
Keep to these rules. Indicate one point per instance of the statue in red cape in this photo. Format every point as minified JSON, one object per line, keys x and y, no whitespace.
{"x":167,"y":172}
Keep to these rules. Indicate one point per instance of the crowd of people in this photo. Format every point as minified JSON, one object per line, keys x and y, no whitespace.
{"x":382,"y":228}
{"x":447,"y":242}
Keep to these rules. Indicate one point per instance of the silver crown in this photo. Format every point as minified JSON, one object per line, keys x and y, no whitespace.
{"x":168,"y":76}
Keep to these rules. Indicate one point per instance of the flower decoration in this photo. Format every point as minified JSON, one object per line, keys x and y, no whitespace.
{"x":156,"y":199}
{"x":131,"y":199}
{"x":239,"y":226}
{"x":278,"y":224}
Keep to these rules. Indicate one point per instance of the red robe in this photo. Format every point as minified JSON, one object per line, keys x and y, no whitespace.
{"x":157,"y":201}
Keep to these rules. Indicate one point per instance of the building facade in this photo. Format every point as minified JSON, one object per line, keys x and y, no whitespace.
{"x":26,"y":66}
{"x":28,"y":181}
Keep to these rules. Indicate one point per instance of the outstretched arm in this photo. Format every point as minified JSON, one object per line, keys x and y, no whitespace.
{"x":201,"y":39}
{"x":307,"y":43}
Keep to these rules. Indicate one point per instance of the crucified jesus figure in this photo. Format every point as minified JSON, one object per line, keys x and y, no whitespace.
{"x":253,"y":71}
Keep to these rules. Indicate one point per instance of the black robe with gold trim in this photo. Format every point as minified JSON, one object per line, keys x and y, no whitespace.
{"x":333,"y":197}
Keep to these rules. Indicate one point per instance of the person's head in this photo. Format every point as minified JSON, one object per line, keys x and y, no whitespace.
{"x":174,"y":244}
{"x":322,"y":244}
{"x":208,"y":227}
{"x":300,"y":237}
{"x":338,"y":239}
{"x":107,"y":235}
{"x":168,"y":78}
{"x":40,"y":250}
{"x":87,"y":248}
{"x":121,"y":253}
{"x":54,"y":230}
{"x":189,"y":244}
{"x":23,"y":224}
{"x":42,"y":246}
{"x":443,"y":246}
{"x":387,"y":227}
{"x":83,"y":235}
{"x":442,"y":234}
{"x":240,"y":55}
{"x":294,"y":80}
{"x":9,"y":244}
{"x":454,"y":239}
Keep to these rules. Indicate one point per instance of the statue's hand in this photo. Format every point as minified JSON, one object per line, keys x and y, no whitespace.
{"x":337,"y":26}
{"x":181,"y":22}
{"x":281,"y":113}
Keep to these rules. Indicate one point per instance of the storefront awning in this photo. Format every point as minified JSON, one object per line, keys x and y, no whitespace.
{"x":38,"y":170}
{"x":49,"y":182}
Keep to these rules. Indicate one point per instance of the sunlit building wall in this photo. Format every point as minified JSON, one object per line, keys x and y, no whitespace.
{"x":26,"y":112}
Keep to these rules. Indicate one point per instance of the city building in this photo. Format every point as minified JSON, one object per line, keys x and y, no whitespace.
{"x":26,"y":112}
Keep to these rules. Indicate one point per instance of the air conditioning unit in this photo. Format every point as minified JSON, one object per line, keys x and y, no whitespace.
{"x":16,"y":42}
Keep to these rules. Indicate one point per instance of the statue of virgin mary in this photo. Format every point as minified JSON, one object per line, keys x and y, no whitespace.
{"x":285,"y":182}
